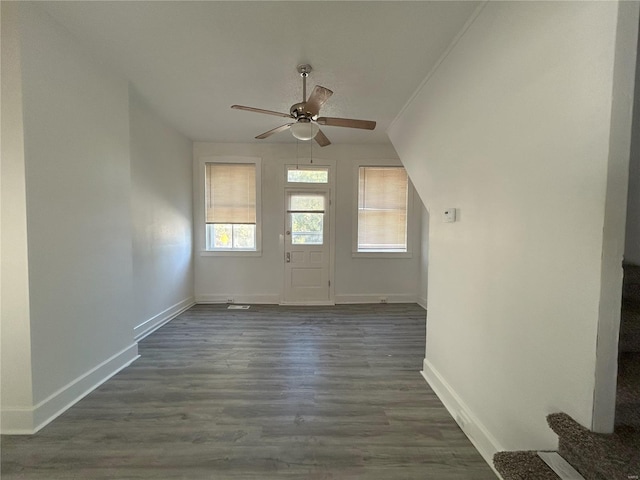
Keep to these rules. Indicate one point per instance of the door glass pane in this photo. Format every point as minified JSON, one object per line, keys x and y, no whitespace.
{"x":307,"y":228}
{"x":306,"y":202}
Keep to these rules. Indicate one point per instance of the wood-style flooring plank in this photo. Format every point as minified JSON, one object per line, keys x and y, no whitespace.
{"x":319,"y":393}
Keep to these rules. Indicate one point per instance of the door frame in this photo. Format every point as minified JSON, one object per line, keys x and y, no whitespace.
{"x":330,"y":190}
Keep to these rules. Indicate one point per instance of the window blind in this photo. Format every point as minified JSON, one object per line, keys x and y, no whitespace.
{"x":382,"y":209}
{"x":230,"y":192}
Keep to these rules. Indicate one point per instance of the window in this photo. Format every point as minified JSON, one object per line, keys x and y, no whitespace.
{"x":307,"y":175}
{"x":230,"y":197}
{"x":382,"y":209}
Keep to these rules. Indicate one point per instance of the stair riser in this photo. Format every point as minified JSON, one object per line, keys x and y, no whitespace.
{"x":631,"y":294}
{"x":629,"y":328}
{"x":629,"y":345}
{"x":631,"y":274}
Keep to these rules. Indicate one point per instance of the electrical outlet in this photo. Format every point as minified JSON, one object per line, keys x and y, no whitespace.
{"x":230,"y":300}
{"x":383,"y":299}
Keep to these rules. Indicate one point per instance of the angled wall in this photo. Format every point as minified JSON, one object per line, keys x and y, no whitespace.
{"x":15,"y":328}
{"x":514,"y":129}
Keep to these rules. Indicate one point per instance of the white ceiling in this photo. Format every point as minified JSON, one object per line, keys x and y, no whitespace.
{"x":192,"y":60}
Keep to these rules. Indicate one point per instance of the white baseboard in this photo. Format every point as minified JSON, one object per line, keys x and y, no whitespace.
{"x":422,"y":302}
{"x":256,"y":299}
{"x":28,"y":420}
{"x":309,"y":303}
{"x":560,"y":466}
{"x":480,"y":436}
{"x":271,"y":299}
{"x":16,"y":421}
{"x":375,"y":298}
{"x":149,"y":326}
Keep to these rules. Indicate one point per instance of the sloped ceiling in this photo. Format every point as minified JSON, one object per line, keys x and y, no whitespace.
{"x":192,"y":60}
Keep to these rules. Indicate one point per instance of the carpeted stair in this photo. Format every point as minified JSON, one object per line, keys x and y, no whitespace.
{"x":598,"y":456}
{"x":630,"y":321}
{"x":628,"y":394}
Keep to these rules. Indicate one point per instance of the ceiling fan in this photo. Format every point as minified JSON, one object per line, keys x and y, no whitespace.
{"x":305,"y":114}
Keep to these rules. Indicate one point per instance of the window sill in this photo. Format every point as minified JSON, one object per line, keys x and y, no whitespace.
{"x":230,"y":253}
{"x":381,"y":254}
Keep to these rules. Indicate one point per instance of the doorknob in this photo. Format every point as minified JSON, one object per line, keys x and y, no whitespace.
{"x":288,"y":257}
{"x":288,"y":232}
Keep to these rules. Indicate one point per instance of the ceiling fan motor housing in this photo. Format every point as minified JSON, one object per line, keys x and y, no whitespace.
{"x":297,"y":110}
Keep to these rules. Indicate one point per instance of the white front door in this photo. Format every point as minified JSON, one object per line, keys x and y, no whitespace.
{"x":307,"y":247}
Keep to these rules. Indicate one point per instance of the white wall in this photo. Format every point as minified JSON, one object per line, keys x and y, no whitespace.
{"x":613,"y":231}
{"x":260,"y":278}
{"x":100,"y":224}
{"x":162,"y":217}
{"x":513,"y":129}
{"x":15,"y":330}
{"x":78,"y":213}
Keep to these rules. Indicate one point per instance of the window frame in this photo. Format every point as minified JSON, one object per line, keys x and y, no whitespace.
{"x":355,"y":253}
{"x":201,"y":211}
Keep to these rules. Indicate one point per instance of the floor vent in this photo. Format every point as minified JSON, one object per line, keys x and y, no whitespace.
{"x":238,"y":307}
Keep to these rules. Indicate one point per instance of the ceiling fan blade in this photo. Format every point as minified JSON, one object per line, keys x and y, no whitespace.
{"x":260,"y":110}
{"x":317,"y":98}
{"x":321,"y":138}
{"x":279,"y":129}
{"x":346,"y":122}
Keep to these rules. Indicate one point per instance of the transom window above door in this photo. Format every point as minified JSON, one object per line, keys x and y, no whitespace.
{"x":297,"y":174}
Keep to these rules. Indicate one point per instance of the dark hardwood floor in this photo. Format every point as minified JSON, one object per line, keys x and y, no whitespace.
{"x":266,"y":393}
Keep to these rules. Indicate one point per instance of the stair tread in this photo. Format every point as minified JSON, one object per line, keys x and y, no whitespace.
{"x":522,"y":465}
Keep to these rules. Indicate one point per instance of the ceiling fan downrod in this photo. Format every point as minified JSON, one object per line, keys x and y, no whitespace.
{"x":304,"y":70}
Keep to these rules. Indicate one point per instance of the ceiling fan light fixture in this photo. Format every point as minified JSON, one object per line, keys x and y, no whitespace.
{"x":304,"y":130}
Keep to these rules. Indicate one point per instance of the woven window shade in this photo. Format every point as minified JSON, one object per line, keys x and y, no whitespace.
{"x":382,"y":208}
{"x":230,"y":192}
